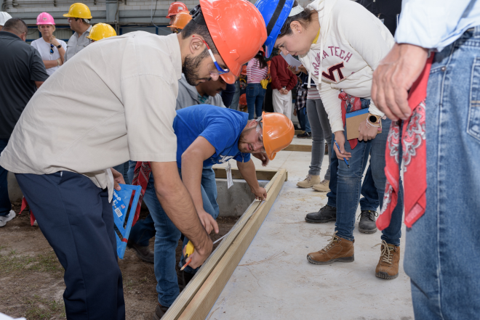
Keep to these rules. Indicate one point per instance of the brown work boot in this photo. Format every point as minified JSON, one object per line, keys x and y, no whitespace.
{"x":387,"y":267}
{"x":309,"y":181}
{"x":159,"y":312}
{"x":323,"y":186}
{"x":338,"y":250}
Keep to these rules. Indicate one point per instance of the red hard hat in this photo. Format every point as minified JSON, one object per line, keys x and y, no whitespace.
{"x":175,"y":8}
{"x":237,"y":29}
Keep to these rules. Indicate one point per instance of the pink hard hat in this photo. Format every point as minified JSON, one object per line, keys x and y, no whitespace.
{"x":45,"y":18}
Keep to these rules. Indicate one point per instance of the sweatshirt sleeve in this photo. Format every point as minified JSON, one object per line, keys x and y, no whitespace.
{"x":293,"y":80}
{"x":273,"y":71}
{"x":333,"y":106}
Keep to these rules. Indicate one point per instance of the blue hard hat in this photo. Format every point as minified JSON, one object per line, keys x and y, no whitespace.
{"x":275,"y":13}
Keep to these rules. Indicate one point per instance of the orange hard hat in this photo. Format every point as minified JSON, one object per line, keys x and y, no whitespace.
{"x":243,"y":100}
{"x":278,"y":132}
{"x":175,"y":8}
{"x":237,"y":30}
{"x":181,"y":20}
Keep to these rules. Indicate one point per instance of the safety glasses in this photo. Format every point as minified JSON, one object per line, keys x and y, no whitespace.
{"x":51,"y":48}
{"x":259,"y":130}
{"x":220,"y":70}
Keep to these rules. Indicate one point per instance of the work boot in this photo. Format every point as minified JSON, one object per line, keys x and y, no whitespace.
{"x":323,"y":186}
{"x":309,"y":181}
{"x":325,"y":214}
{"x":8,"y":217}
{"x":304,"y":135}
{"x":144,"y":253}
{"x":387,"y":267}
{"x":367,"y":221}
{"x":159,"y":312}
{"x":338,"y":250}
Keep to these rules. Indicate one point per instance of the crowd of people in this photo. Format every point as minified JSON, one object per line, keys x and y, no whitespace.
{"x":79,"y":119}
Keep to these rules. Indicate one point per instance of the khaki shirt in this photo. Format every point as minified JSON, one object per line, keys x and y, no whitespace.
{"x":114,"y":102}
{"x":76,"y":43}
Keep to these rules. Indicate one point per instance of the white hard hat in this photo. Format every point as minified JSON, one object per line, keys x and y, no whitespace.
{"x":4,"y":16}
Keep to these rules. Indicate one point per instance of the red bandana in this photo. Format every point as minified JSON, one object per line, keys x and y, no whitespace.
{"x":414,"y":154}
{"x":141,"y":175}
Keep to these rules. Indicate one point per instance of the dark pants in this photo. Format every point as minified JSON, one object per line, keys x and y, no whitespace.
{"x":77,"y":220}
{"x":5,"y":205}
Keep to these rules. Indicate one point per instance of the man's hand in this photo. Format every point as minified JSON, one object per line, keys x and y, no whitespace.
{"x":393,"y":78}
{"x":283,"y":91}
{"x":199,"y":256}
{"x":207,"y":221}
{"x":263,"y":157}
{"x":260,"y":193}
{"x":303,"y":69}
{"x":340,"y":139}
{"x":367,"y":132}
{"x":117,"y":179}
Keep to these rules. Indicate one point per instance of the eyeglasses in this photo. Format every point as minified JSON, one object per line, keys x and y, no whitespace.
{"x":259,"y":130}
{"x":220,"y":70}
{"x":51,"y":48}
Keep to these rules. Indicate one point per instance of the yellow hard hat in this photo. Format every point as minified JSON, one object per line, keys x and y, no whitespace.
{"x":101,"y":31}
{"x":78,"y":10}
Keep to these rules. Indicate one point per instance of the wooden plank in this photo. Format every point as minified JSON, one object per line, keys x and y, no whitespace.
{"x":202,"y":303}
{"x":299,"y":147}
{"x":262,"y":174}
{"x":197,"y":282}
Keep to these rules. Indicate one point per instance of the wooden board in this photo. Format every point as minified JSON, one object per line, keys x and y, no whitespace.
{"x":197,"y":299}
{"x":299,"y":147}
{"x":262,"y":174}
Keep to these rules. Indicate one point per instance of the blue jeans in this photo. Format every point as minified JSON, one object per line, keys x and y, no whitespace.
{"x":255,"y":95}
{"x":349,"y":186}
{"x":123,"y":169}
{"x":5,"y":205}
{"x":441,"y":255}
{"x":236,"y":96}
{"x":368,"y":191}
{"x":303,"y":120}
{"x":167,"y":235}
{"x":77,"y":220}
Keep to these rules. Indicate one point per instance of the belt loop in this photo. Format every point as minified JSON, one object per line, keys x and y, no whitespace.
{"x":476,"y":32}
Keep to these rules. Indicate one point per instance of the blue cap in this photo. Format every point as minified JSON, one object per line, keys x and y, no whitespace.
{"x":275,"y":13}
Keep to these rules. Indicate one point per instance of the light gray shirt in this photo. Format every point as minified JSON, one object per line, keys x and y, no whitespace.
{"x":188,"y":96}
{"x":76,"y":44}
{"x":121,"y":102}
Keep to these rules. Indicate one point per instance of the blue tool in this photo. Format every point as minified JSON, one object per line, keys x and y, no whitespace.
{"x":344,"y":159}
{"x":124,"y":205}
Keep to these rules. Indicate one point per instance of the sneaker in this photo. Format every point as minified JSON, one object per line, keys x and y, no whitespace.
{"x":323,"y":215}
{"x":304,"y":135}
{"x":338,"y":250}
{"x":8,"y":217}
{"x":159,"y":312}
{"x":387,"y":267}
{"x":309,"y":181}
{"x":367,"y":221}
{"x":144,"y":253}
{"x":323,"y":186}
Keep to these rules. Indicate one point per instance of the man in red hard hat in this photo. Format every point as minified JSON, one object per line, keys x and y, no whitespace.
{"x":121,"y":107}
{"x":175,"y":7}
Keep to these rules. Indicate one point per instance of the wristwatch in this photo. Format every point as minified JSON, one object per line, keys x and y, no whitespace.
{"x":373,"y":119}
{"x":59,"y":46}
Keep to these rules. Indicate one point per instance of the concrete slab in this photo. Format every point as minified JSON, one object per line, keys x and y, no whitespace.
{"x":275,"y":281}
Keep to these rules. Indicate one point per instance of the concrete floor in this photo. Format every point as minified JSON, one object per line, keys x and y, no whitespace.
{"x":275,"y":281}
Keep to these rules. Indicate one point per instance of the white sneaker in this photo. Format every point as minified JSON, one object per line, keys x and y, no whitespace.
{"x":8,"y":217}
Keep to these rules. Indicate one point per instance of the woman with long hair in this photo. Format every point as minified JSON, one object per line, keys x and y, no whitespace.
{"x":257,"y":70}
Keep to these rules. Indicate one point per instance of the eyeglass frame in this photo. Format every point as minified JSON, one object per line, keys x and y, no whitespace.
{"x":51,"y":49}
{"x":259,"y":130}
{"x":220,"y":70}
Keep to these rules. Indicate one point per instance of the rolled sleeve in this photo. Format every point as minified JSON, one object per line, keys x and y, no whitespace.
{"x":150,"y":110}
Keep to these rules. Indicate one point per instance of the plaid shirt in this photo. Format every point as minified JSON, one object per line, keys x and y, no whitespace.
{"x":301,"y":101}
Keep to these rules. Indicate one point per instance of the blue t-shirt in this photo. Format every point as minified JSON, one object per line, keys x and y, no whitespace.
{"x":220,"y":126}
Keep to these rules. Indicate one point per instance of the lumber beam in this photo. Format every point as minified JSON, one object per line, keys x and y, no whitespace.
{"x":197,"y":299}
{"x":299,"y":147}
{"x":262,"y":174}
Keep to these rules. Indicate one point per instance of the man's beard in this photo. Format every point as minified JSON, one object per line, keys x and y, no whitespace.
{"x":191,"y":66}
